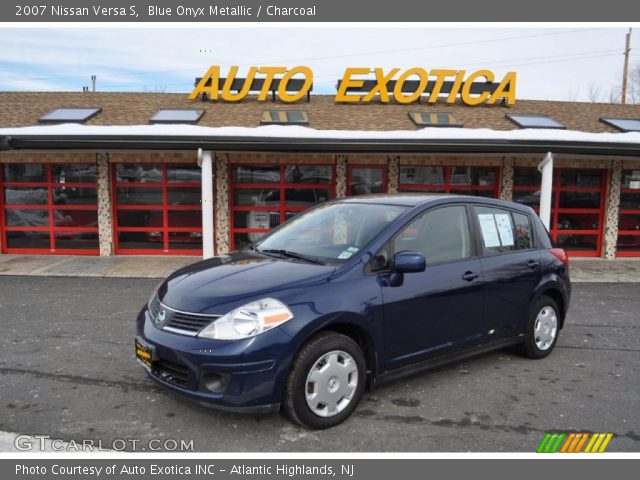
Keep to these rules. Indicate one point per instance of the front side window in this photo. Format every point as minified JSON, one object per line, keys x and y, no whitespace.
{"x":441,"y":235}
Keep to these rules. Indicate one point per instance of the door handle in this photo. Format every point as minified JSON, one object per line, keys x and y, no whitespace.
{"x":470,"y":276}
{"x":533,"y":263}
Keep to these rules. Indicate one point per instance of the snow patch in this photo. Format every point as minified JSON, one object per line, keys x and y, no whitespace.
{"x":298,"y":132}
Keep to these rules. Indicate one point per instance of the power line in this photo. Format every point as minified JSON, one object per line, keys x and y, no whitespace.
{"x":431,"y":47}
{"x":333,"y":57}
{"x":507,"y":64}
{"x":333,"y":77}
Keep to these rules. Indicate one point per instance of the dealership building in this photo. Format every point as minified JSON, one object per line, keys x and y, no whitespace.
{"x":97,"y":173}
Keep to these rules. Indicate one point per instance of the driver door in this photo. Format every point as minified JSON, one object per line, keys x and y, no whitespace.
{"x":439,"y":310}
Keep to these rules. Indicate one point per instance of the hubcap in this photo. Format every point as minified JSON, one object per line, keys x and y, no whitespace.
{"x":331,"y":383}
{"x":546,"y":328}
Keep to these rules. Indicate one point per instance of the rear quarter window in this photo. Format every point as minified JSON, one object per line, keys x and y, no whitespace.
{"x":522,"y":231}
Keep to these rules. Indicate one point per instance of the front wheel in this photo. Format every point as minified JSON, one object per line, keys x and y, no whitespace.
{"x":327,"y":381}
{"x":542,"y":328}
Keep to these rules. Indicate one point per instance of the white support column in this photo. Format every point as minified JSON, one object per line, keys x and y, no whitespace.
{"x":205,"y":163}
{"x":546,"y":168}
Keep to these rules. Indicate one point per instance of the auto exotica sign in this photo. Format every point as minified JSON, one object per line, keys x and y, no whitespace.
{"x":356,"y":85}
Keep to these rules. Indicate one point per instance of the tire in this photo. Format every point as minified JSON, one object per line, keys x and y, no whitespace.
{"x":538,"y":343}
{"x":331,"y":367}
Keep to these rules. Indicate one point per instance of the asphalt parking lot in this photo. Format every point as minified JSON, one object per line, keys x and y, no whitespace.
{"x":67,"y":369}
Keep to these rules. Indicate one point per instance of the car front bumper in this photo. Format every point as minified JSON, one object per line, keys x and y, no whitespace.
{"x":240,"y":376}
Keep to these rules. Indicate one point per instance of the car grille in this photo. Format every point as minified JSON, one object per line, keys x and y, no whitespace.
{"x":176,"y":321}
{"x":188,"y":322}
{"x":171,"y":372}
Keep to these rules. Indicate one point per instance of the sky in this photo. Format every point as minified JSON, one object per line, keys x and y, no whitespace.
{"x":551,"y":63}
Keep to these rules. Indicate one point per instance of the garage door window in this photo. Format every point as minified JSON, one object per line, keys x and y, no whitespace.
{"x":477,"y":181}
{"x":264,"y":196}
{"x":366,"y":179}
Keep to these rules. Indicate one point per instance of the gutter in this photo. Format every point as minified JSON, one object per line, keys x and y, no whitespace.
{"x":310,"y":145}
{"x":5,"y":143}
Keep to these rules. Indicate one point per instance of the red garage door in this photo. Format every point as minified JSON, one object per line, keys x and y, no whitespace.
{"x":577,"y":206}
{"x":629,"y":221}
{"x":49,"y":209}
{"x":157,"y":209}
{"x":263,"y":196}
{"x":478,"y":181}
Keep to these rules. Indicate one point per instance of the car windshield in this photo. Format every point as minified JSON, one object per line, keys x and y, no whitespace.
{"x":331,"y":232}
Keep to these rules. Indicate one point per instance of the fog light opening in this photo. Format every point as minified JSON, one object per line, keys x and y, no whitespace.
{"x":214,"y":382}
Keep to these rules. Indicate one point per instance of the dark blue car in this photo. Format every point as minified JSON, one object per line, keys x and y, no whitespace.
{"x":354,"y":293}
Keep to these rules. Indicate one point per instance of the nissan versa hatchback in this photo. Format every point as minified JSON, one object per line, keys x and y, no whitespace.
{"x":351,"y":294}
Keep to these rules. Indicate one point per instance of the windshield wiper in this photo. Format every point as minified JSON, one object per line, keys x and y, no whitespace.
{"x":290,"y":254}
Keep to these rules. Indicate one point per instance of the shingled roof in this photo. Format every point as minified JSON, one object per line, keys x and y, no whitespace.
{"x":19,"y":109}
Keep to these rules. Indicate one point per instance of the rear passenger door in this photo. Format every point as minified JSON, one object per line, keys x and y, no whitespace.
{"x":511,"y":268}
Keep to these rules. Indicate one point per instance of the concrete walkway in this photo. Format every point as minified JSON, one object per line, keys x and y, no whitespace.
{"x":81,"y":266}
{"x":621,"y":270}
{"x":582,"y":269}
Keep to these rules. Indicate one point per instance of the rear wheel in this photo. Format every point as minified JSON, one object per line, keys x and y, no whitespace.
{"x":327,"y":381}
{"x":542,"y":328}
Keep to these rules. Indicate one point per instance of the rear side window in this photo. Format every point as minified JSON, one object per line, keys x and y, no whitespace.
{"x":441,"y":235}
{"x":503,"y":230}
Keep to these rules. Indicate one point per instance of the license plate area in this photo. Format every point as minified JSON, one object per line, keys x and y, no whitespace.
{"x":144,"y":353}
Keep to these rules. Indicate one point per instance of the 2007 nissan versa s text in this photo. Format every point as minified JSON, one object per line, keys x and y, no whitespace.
{"x":352,"y":293}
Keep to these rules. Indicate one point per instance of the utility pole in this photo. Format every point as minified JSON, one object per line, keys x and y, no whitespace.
{"x":625,"y":71}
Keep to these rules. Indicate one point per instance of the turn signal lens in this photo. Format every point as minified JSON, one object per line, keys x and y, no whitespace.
{"x":249,"y":320}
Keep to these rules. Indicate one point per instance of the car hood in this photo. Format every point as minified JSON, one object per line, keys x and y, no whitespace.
{"x":223,"y":283}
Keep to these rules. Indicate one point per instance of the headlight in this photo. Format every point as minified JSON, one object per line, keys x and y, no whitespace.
{"x":249,"y":320}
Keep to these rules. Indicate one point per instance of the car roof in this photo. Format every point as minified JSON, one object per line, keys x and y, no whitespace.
{"x":417,"y":199}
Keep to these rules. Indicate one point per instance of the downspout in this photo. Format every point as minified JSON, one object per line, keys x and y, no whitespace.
{"x":546,"y":168}
{"x":206,"y":165}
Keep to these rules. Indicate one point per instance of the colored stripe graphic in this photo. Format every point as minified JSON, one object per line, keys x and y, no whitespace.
{"x":543,"y":443}
{"x":550,"y":442}
{"x":558,"y":442}
{"x":581,"y":443}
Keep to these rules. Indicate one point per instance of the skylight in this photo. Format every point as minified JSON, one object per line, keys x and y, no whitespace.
{"x":70,"y":115}
{"x":533,"y":121}
{"x":623,"y":124}
{"x":177,"y":115}
{"x":432,"y":119}
{"x":284,"y":117}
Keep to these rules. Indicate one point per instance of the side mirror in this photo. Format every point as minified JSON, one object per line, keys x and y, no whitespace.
{"x":409,"y":262}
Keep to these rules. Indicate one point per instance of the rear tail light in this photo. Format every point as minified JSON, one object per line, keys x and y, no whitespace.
{"x":560,"y":254}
